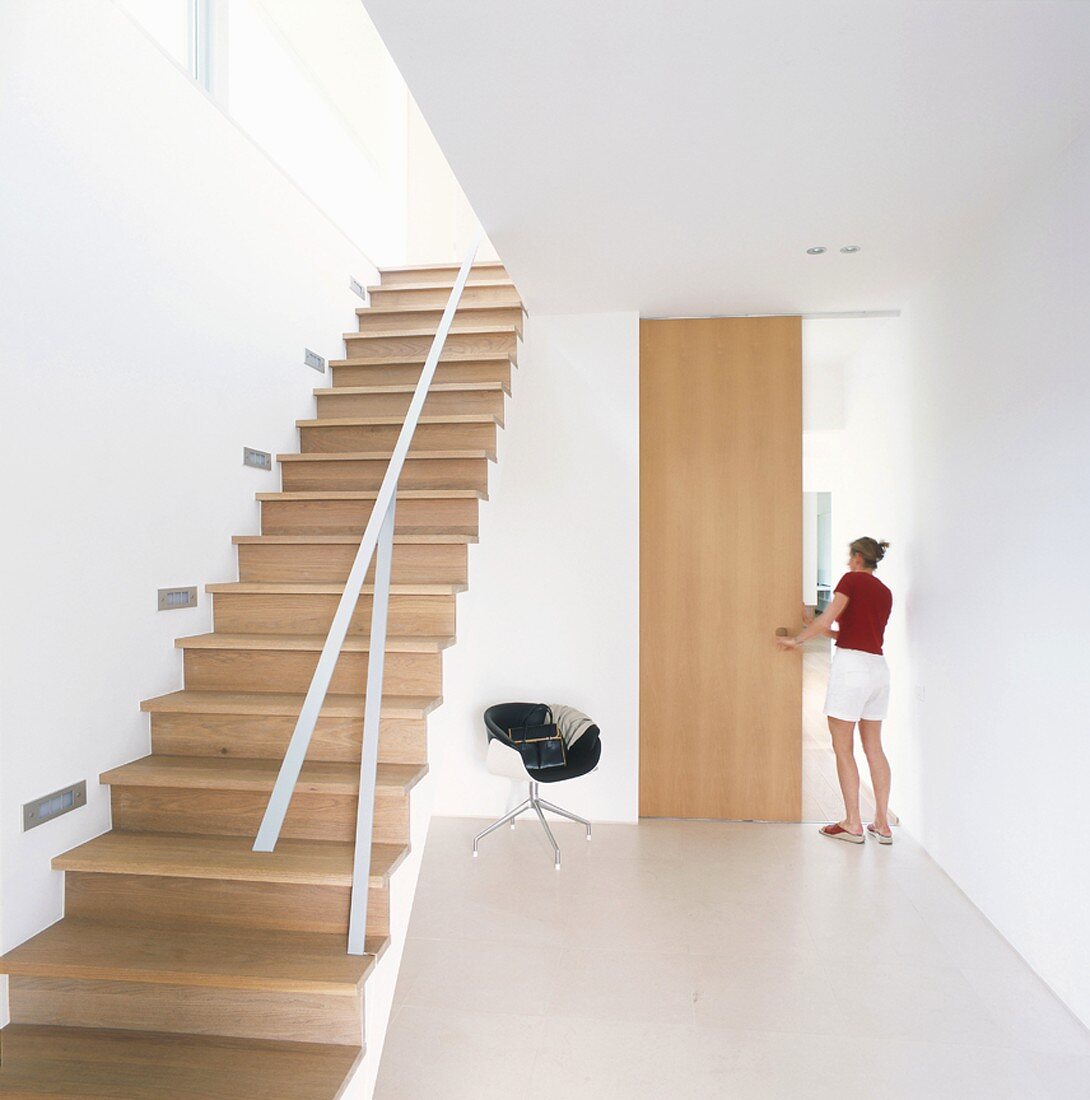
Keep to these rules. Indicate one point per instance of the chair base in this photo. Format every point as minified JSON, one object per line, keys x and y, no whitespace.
{"x":537,"y":804}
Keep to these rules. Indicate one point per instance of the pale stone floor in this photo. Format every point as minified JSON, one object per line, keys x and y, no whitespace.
{"x":697,"y":959}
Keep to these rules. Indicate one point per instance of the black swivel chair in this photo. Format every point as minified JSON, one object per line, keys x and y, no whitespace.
{"x":505,"y":760}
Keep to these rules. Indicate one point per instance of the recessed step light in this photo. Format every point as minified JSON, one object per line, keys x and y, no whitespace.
{"x":816,"y":250}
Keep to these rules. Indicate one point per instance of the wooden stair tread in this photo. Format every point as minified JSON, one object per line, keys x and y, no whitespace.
{"x":187,"y":855}
{"x":283,"y":704}
{"x":429,"y":330}
{"x":388,"y":421}
{"x":272,"y":588}
{"x":477,"y":265}
{"x":349,"y":540}
{"x":371,"y":494}
{"x":47,"y":1061}
{"x":418,"y":360}
{"x":505,"y":283}
{"x":229,"y":774}
{"x":373,"y":456}
{"x":463,"y":307}
{"x":353,"y":643}
{"x":220,"y":957}
{"x":435,"y":387}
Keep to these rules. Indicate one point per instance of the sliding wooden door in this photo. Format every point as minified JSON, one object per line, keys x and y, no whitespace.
{"x":720,"y":567}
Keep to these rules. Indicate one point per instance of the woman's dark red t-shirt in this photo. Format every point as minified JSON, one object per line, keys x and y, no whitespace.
{"x":863,"y":622}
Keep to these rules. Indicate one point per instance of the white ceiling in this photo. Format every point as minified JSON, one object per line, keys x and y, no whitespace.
{"x":677,"y":158}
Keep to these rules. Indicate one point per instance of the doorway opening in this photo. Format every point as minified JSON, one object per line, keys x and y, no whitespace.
{"x":834,"y":502}
{"x":821,"y":801}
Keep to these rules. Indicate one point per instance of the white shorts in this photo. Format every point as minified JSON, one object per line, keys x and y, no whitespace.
{"x":858,"y":686}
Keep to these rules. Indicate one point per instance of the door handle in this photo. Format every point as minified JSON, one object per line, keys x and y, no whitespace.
{"x":782,"y":632}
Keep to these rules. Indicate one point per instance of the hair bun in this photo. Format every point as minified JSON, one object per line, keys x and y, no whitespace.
{"x":870,"y":550}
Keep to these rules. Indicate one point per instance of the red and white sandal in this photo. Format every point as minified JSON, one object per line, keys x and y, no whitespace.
{"x":882,"y":838}
{"x":839,"y":833}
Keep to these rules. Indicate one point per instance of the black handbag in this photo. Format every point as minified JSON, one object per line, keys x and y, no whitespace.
{"x":539,"y":743}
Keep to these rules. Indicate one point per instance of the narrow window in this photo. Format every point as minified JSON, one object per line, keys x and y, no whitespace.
{"x":200,"y":42}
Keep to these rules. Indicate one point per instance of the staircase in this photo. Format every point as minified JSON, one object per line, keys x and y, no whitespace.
{"x":186,"y":964}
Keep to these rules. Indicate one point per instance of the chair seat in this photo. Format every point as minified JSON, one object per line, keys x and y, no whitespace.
{"x":504,"y":760}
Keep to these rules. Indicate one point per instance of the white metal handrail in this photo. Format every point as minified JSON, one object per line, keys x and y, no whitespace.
{"x":378,"y":536}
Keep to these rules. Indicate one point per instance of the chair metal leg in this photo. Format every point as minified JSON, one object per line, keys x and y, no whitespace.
{"x":566,"y":813}
{"x":525,"y":805}
{"x":537,"y":804}
{"x":548,"y":833}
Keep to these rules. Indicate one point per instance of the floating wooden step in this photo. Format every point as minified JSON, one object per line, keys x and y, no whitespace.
{"x":406,"y":495}
{"x":258,"y":725}
{"x":268,"y":607}
{"x":277,"y":962}
{"x":444,"y":400}
{"x":447,"y":469}
{"x":400,"y":539}
{"x":346,"y":511}
{"x":314,"y":588}
{"x":272,"y":704}
{"x":420,"y":313}
{"x":207,"y":795}
{"x":172,"y":878}
{"x":326,"y":561}
{"x":311,"y":642}
{"x":444,"y":274}
{"x":412,"y":341}
{"x":44,"y":1061}
{"x":228,"y":858}
{"x":212,"y":773}
{"x":250,"y":983}
{"x":134,"y":877}
{"x":170,"y":902}
{"x":397,"y":370}
{"x":285,"y":662}
{"x":355,"y":433}
{"x":495,"y":293}
{"x":190,"y":1009}
{"x":469,"y":316}
{"x":412,"y":327}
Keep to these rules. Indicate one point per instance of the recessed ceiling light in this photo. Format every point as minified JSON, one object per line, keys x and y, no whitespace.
{"x":816,"y":250}
{"x":850,"y":248}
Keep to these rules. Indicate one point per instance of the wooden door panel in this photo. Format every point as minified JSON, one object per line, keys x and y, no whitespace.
{"x":720,"y":567}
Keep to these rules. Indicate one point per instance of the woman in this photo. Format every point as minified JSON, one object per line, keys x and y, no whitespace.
{"x":858,"y":685}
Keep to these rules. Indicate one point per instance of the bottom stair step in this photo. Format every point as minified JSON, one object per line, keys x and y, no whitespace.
{"x":137,"y":1065}
{"x":244,"y":983}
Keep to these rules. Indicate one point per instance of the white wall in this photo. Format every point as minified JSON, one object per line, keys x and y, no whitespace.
{"x":272,"y":92}
{"x":552,"y":611}
{"x":443,"y":224}
{"x":161,"y":278}
{"x":967,"y":447}
{"x":822,"y":458}
{"x":315,"y":88}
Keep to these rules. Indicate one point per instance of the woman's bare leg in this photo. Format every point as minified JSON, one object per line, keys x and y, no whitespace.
{"x":870,"y":733}
{"x":848,"y":773}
